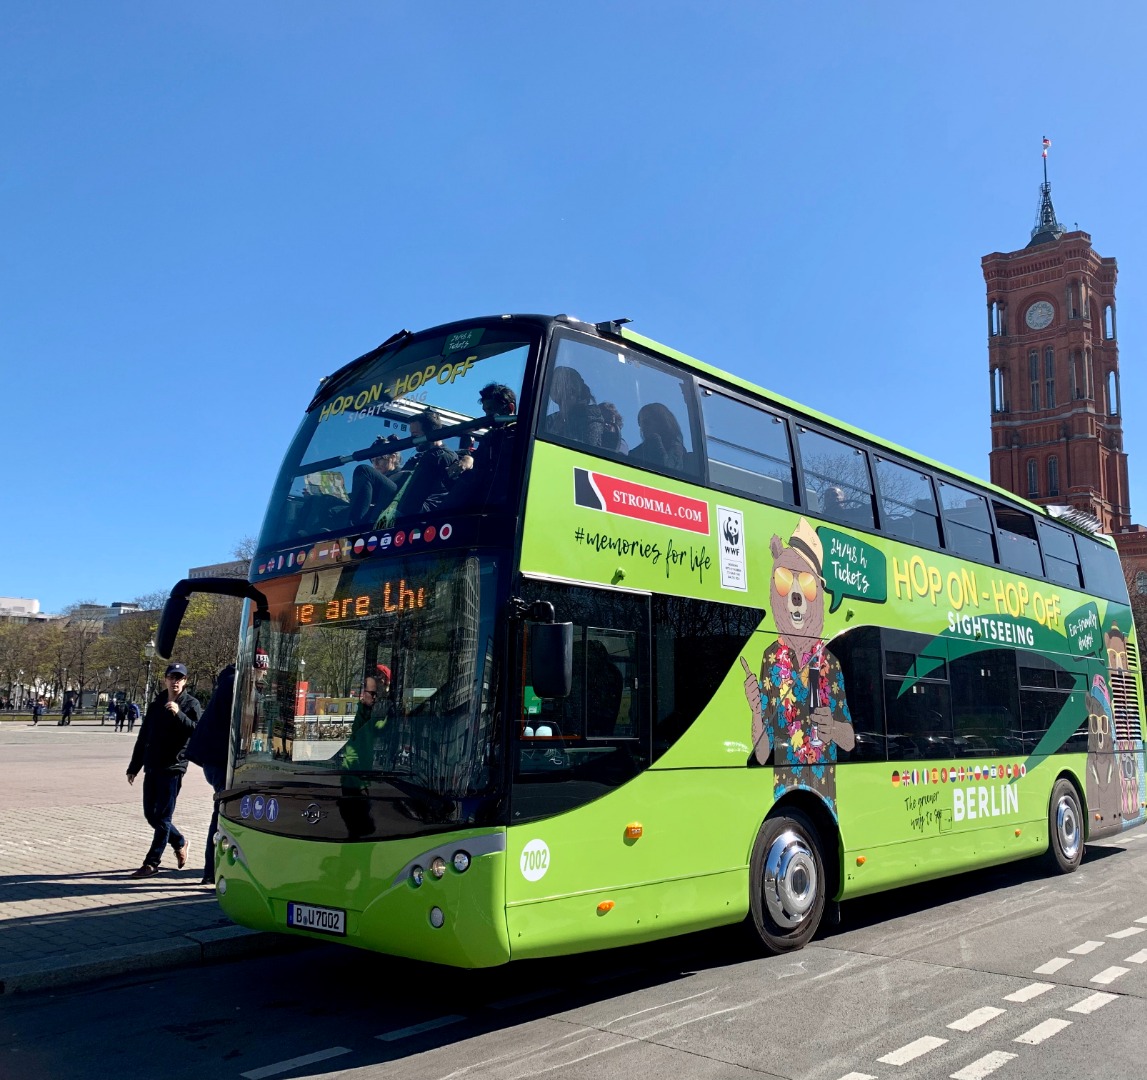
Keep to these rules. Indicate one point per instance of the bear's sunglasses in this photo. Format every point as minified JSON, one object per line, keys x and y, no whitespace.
{"x":783,"y":579}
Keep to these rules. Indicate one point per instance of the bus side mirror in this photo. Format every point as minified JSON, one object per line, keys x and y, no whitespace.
{"x":169,"y":622}
{"x":551,"y":659}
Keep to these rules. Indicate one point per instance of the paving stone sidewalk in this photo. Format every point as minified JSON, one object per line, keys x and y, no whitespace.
{"x":71,"y":832}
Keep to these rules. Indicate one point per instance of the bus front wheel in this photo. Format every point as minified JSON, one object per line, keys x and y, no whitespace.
{"x":1065,"y":828}
{"x":786,"y":875}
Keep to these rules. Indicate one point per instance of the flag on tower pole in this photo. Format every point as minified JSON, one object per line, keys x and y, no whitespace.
{"x":1046,"y":145}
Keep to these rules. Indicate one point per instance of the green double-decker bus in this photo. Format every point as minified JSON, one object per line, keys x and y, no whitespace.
{"x":557,"y":639}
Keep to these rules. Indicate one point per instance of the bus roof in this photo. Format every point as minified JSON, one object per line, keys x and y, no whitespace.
{"x":699,"y":365}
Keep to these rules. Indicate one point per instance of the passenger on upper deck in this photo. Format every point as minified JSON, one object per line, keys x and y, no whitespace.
{"x":612,"y":422}
{"x":662,"y":444}
{"x":375,"y":483}
{"x":577,"y":418}
{"x":429,"y":468}
{"x":483,"y":481}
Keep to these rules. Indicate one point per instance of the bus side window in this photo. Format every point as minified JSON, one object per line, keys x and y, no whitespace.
{"x":917,"y":698}
{"x":967,"y":525}
{"x":907,"y":505}
{"x":575,"y":749}
{"x":986,"y":703}
{"x":858,"y":652}
{"x":748,"y":449}
{"x":620,"y":404}
{"x":838,"y":474}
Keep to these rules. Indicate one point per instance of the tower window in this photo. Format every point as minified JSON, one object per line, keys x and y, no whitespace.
{"x":1112,"y":395}
{"x":1053,"y":475}
{"x":1033,"y":376}
{"x":1109,"y":322}
{"x":1049,"y":377}
{"x":1033,"y":477}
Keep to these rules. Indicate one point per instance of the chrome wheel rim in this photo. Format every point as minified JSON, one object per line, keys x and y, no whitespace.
{"x":1067,"y":827}
{"x":790,"y":880}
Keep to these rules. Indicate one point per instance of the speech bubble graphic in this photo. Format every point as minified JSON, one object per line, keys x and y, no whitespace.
{"x":1084,"y":631}
{"x":852,"y":568}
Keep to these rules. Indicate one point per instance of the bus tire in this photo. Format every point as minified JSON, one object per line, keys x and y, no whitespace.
{"x":1064,"y":828}
{"x":786,"y":882}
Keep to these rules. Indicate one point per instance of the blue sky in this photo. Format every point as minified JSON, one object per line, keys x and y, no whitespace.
{"x":205,"y":207}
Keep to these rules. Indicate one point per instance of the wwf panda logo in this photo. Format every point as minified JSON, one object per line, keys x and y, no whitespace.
{"x":732,"y":531}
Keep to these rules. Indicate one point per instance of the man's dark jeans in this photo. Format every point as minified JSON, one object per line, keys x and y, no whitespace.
{"x":160,"y":790}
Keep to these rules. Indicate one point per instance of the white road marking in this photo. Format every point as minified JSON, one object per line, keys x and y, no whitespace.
{"x":1137,"y":958}
{"x":1131,"y":931}
{"x":857,"y":1076}
{"x":295,"y":1063}
{"x":1043,"y":1031}
{"x":1142,"y":920}
{"x":1086,"y":947}
{"x":1090,"y":1004}
{"x":1032,"y":990}
{"x":1052,"y":966}
{"x":975,"y":1019}
{"x":913,"y":1050}
{"x":654,"y":1008}
{"x":418,"y":1029}
{"x":982,"y":1067}
{"x":1109,"y":975}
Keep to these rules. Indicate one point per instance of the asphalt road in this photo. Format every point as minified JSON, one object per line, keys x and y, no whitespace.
{"x":1009,"y":974}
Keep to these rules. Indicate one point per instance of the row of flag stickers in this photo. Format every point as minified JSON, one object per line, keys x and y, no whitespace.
{"x":336,"y":550}
{"x":956,"y":774}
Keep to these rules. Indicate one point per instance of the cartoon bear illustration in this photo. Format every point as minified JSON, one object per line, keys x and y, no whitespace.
{"x":1104,"y":782}
{"x":800,"y":715}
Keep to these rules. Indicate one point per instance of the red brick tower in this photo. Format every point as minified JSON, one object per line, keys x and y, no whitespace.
{"x":1057,"y":428}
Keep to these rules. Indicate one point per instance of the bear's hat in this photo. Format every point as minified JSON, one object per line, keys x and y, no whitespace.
{"x":805,"y":542}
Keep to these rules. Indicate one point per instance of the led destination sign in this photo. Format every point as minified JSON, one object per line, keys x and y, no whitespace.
{"x":392,"y":598}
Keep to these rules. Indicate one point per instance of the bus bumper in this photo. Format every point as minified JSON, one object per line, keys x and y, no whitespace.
{"x":369,"y":893}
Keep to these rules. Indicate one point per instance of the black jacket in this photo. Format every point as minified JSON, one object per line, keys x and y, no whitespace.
{"x":208,"y":744}
{"x":162,"y":741}
{"x":430,"y":477}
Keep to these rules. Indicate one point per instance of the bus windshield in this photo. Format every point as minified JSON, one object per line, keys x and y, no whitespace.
{"x":402,"y":434}
{"x":372,"y":672}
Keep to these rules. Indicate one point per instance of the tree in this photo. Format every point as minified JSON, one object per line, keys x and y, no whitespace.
{"x":208,"y":637}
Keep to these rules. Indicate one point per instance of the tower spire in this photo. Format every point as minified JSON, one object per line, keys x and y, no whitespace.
{"x":1047,"y":228}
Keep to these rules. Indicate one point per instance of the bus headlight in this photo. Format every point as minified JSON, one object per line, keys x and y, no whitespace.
{"x":437,"y":919}
{"x":416,"y":875}
{"x":438,"y":866}
{"x":461,"y":861}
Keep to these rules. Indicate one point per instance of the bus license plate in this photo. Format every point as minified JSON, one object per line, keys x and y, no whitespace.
{"x":321,"y":920}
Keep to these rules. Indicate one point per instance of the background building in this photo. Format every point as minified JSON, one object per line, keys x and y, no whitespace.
{"x":1053,"y":359}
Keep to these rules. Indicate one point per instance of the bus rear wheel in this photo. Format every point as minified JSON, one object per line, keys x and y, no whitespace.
{"x":1065,"y":828}
{"x":787,"y":883}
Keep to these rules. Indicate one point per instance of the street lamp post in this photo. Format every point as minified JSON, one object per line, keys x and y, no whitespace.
{"x":19,"y":689}
{"x":149,"y":652}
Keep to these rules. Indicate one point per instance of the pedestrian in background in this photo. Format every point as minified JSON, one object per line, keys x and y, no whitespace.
{"x":161,"y":751}
{"x":66,"y":711}
{"x":208,"y":749}
{"x":37,"y":711}
{"x":120,"y":715}
{"x":132,"y":716}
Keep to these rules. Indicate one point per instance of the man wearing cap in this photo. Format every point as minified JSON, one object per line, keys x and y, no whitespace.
{"x":161,"y":751}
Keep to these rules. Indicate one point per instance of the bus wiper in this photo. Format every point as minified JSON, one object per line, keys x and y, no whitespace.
{"x":332,"y":382}
{"x":258,"y":789}
{"x":409,"y":443}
